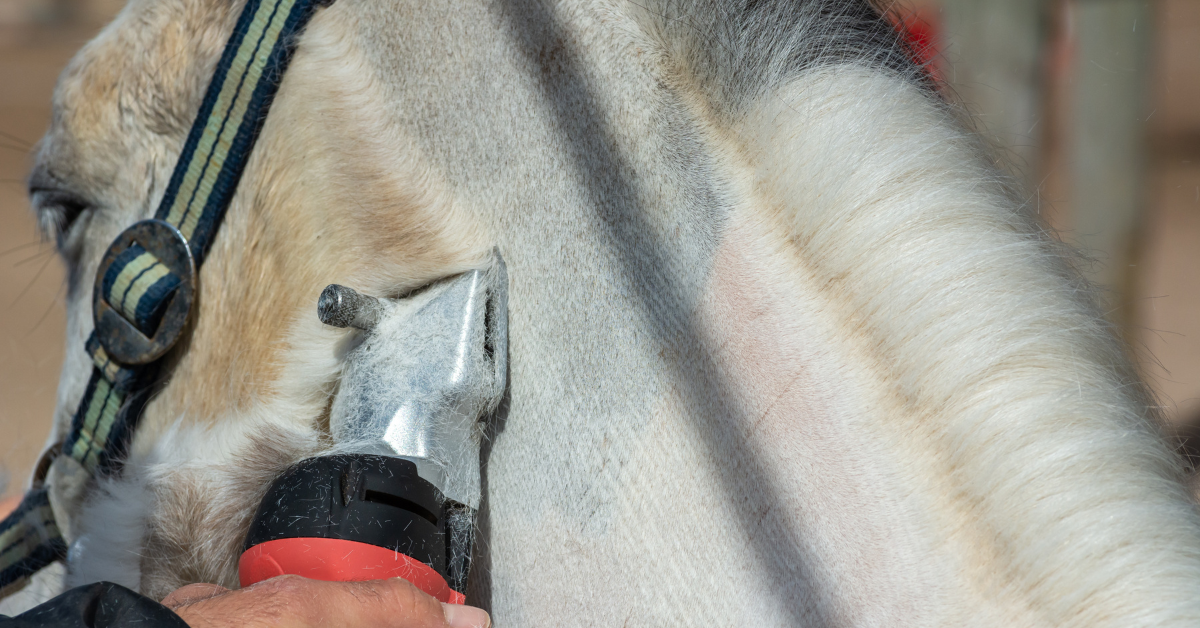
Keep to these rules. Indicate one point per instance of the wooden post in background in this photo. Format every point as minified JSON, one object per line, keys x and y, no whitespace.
{"x":1110,"y":101}
{"x":993,"y":64}
{"x":1061,"y":90}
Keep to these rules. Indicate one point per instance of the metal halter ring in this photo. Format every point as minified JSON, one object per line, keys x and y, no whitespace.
{"x":124,"y":342}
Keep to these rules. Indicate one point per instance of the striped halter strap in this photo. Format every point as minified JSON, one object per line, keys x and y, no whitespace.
{"x":146,"y":283}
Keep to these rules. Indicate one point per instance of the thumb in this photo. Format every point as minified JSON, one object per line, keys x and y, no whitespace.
{"x":392,"y":603}
{"x":459,"y":616}
{"x":191,"y":594}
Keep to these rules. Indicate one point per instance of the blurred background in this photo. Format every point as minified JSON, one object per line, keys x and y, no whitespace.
{"x":1093,"y":107}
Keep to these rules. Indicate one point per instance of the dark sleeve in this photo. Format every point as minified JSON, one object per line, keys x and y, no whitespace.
{"x":100,"y":605}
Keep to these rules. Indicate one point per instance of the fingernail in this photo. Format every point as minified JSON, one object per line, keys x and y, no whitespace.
{"x":459,"y":616}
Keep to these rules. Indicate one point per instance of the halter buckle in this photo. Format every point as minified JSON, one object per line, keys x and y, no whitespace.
{"x":147,"y":275}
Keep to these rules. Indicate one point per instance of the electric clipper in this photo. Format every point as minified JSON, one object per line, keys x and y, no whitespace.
{"x":401,"y":500}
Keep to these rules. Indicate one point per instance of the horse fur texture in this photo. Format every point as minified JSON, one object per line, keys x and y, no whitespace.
{"x":785,"y":349}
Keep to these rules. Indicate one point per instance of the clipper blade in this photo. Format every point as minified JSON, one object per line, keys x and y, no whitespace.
{"x":430,"y":366}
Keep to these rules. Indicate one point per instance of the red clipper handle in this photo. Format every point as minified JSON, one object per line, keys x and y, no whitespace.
{"x":339,"y":560}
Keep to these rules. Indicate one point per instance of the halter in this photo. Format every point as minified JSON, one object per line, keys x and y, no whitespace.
{"x":146,"y":283}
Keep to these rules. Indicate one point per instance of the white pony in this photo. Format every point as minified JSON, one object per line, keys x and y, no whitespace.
{"x":784,"y":349}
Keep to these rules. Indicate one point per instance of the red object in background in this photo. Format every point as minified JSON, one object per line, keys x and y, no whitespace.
{"x":921,"y":29}
{"x":339,"y":560}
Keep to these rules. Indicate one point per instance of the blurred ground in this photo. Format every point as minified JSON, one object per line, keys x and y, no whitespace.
{"x":1091,"y":103}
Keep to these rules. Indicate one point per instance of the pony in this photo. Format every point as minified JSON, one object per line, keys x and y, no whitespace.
{"x":785,"y":346}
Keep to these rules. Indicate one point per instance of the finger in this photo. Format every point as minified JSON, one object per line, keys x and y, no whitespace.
{"x":191,"y":594}
{"x":392,"y":603}
{"x":406,"y":605}
{"x":294,"y":602}
{"x":459,"y":616}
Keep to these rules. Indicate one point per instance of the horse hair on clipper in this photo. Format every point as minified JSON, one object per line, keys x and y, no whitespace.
{"x":399,"y":498}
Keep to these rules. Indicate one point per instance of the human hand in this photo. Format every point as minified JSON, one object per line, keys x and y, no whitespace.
{"x":295,"y":602}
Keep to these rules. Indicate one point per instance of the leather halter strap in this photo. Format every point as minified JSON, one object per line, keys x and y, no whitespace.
{"x":146,"y":283}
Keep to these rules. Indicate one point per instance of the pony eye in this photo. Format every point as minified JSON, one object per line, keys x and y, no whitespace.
{"x":58,"y":207}
{"x":57,"y":210}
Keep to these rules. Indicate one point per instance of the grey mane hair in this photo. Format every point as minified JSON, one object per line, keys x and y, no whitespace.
{"x":740,"y":53}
